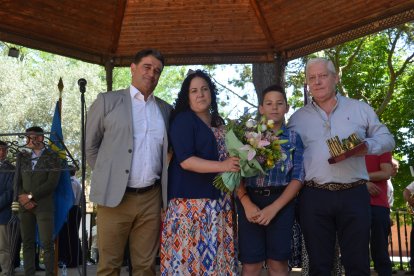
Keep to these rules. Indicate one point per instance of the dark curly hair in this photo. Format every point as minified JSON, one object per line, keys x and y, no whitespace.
{"x":182,"y":102}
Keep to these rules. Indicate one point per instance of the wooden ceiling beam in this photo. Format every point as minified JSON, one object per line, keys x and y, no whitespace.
{"x":263,"y":24}
{"x":119,"y":18}
{"x":208,"y":58}
{"x":350,"y":34}
{"x":241,"y":31}
{"x":55,"y":48}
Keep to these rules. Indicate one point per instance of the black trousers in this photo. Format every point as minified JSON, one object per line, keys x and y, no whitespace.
{"x":70,"y":250}
{"x":380,"y":230}
{"x":325,"y":214}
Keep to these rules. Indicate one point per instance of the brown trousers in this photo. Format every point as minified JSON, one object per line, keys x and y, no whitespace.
{"x":137,"y":217}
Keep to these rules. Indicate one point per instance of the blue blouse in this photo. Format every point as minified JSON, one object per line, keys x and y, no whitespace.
{"x":190,"y":136}
{"x":284,"y":171}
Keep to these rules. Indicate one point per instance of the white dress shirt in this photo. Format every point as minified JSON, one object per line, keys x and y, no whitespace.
{"x":36,"y":157}
{"x":148,"y":130}
{"x":390,"y":193}
{"x":410,"y":187}
{"x":77,"y":189}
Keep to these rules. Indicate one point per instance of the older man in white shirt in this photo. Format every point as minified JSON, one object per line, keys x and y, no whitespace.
{"x":334,"y":199}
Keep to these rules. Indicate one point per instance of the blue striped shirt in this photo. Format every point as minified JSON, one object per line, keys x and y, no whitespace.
{"x":284,"y":170}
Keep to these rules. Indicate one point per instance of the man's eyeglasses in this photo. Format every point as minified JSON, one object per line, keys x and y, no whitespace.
{"x":312,"y":79}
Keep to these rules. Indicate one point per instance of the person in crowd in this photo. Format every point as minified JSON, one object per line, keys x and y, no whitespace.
{"x":70,"y":249}
{"x":94,"y":244}
{"x":6,"y":199}
{"x":126,"y":148}
{"x":198,"y":230}
{"x":38,"y":178}
{"x":390,"y":195}
{"x":379,"y":171}
{"x":38,"y":252}
{"x":335,"y":200}
{"x":408,"y":195}
{"x":390,"y":187}
{"x":266,"y":208}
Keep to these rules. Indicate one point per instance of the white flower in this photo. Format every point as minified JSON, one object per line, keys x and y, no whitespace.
{"x":255,"y":140}
{"x":251,"y":152}
{"x":270,"y":124}
{"x":250,"y":124}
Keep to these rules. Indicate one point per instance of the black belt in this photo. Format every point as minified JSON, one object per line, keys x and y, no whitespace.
{"x":335,"y":186}
{"x":266,"y":191}
{"x":144,"y":189}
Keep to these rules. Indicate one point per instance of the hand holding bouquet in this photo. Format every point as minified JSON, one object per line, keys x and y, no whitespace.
{"x":257,"y":145}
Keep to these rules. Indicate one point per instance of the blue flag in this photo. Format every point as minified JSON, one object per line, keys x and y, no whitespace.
{"x":64,"y":197}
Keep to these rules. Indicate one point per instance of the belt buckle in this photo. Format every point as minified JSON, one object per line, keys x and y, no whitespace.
{"x":266,"y":192}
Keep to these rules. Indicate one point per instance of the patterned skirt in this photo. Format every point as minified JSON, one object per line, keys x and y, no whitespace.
{"x":198,"y":237}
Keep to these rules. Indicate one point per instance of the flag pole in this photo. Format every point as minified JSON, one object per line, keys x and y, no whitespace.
{"x":82,"y":89}
{"x":60,"y":88}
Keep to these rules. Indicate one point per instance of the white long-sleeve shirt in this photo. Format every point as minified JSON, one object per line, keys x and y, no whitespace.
{"x":148,"y":130}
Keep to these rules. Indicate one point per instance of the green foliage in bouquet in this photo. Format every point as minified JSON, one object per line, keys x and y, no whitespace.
{"x":257,"y":145}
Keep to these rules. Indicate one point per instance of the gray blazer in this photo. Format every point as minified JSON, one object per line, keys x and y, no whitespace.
{"x":109,"y":143}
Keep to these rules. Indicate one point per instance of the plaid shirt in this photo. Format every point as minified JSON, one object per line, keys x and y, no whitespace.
{"x":284,"y":171}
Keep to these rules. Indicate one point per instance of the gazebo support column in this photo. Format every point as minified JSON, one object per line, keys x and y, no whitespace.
{"x":109,"y":69}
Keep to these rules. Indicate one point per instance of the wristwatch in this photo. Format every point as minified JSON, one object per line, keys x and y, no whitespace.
{"x":30,"y":196}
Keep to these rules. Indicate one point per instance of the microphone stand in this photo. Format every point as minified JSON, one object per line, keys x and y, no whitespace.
{"x":82,"y":88}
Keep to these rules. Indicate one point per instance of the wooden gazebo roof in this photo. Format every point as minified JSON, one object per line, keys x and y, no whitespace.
{"x":194,"y":32}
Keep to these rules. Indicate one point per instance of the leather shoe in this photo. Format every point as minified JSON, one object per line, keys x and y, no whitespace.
{"x":40,"y":268}
{"x":411,"y":272}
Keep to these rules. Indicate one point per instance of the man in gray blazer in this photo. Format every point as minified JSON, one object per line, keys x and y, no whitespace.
{"x":126,"y":147}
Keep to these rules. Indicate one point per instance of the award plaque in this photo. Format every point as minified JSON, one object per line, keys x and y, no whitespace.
{"x":341,"y":150}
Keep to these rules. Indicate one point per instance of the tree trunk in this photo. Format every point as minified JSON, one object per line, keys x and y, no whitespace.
{"x":266,"y":74}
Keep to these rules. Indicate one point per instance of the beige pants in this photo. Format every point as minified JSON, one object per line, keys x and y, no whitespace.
{"x":138,"y":217}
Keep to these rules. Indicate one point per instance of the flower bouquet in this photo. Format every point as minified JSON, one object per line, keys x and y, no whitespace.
{"x":256,"y":144}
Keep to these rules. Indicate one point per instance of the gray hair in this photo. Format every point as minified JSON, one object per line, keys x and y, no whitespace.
{"x":329,"y":64}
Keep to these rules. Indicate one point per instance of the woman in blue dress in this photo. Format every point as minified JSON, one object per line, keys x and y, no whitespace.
{"x":198,"y":236}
